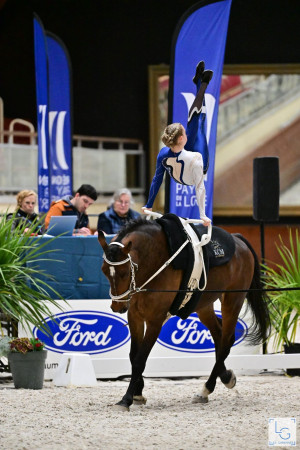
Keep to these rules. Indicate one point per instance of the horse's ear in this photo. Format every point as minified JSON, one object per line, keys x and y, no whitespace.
{"x":127,"y":247}
{"x":102,"y":241}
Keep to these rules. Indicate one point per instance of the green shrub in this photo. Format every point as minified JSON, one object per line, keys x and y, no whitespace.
{"x":23,"y":294}
{"x":285,"y":305}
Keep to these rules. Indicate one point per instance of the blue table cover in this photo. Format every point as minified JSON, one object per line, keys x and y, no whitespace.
{"x":76,"y":269}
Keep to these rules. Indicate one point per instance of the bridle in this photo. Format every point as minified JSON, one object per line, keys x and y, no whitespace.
{"x":134,"y":266}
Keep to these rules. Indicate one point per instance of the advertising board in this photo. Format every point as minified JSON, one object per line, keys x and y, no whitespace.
{"x":90,"y":327}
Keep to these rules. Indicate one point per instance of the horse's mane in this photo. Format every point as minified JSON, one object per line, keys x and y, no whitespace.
{"x":135,"y":225}
{"x":113,"y":252}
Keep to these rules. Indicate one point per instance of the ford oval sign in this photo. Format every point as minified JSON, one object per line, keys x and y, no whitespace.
{"x":192,"y":336}
{"x":84,"y":331}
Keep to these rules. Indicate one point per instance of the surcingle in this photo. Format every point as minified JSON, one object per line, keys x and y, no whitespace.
{"x":216,"y":253}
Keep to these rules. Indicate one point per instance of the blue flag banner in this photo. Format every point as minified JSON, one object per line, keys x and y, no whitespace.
{"x":201,"y":35}
{"x":60,"y":132}
{"x":41,"y":77}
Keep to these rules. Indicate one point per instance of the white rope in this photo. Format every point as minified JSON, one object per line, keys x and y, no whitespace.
{"x":118,"y":263}
{"x":164,"y":266}
{"x":205,"y":238}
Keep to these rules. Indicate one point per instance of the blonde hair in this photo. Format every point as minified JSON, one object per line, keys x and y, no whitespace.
{"x":23,"y":194}
{"x":171,"y":134}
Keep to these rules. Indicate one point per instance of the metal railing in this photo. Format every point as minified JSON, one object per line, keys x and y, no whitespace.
{"x":258,"y":97}
{"x":106,"y":163}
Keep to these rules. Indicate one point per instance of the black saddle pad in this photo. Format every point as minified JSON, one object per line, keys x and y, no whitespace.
{"x":220,"y":248}
{"x":217,"y":252}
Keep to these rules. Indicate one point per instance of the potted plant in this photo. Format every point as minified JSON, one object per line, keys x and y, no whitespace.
{"x":23,"y":289}
{"x":27,"y":362}
{"x":25,"y":296}
{"x":284,"y":305}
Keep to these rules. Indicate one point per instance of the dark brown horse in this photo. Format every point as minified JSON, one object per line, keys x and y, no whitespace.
{"x":136,"y":254}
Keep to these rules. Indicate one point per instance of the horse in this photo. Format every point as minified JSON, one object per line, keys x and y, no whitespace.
{"x":139,"y":252}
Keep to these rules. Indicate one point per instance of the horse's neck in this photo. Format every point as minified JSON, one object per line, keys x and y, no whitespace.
{"x":151,"y":251}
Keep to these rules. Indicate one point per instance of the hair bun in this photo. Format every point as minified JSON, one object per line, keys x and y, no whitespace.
{"x":171,"y":134}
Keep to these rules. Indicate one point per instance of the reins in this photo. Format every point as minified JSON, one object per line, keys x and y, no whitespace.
{"x":132,"y":287}
{"x":223,"y":290}
{"x":135,"y":290}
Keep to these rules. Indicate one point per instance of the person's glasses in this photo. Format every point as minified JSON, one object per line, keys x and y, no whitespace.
{"x":123,"y":203}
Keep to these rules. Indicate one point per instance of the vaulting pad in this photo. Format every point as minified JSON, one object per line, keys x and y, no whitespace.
{"x":220,"y":248}
{"x":217,"y":252}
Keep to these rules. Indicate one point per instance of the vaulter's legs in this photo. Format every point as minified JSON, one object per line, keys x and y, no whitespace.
{"x":201,"y":80}
{"x":196,"y":121}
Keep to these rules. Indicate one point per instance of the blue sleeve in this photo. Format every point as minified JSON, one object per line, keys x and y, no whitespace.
{"x":158,"y":176}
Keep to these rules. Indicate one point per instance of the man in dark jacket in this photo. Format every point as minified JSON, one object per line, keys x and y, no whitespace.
{"x":118,"y":214}
{"x":77,"y":205}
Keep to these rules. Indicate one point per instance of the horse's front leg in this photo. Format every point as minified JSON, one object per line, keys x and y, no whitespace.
{"x":138,"y":364}
{"x":137,"y":335}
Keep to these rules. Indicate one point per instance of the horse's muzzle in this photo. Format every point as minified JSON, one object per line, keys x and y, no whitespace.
{"x":119,"y":307}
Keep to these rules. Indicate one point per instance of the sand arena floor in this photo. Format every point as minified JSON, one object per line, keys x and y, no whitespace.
{"x":83,"y":418}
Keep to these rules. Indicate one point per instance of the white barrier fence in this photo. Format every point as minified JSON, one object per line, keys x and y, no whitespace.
{"x":103,"y":168}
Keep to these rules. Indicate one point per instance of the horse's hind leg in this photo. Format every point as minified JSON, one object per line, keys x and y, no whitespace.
{"x":227,"y":376}
{"x":231,"y":307}
{"x":212,"y":322}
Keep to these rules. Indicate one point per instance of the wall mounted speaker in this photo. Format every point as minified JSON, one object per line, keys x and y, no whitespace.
{"x":266,"y":189}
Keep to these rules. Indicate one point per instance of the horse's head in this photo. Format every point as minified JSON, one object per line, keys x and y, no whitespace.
{"x":117,"y":268}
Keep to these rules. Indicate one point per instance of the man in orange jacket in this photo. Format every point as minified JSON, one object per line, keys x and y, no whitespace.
{"x":77,"y":205}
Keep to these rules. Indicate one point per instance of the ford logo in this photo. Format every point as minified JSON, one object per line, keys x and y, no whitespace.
{"x":84,"y":331}
{"x":192,"y":336}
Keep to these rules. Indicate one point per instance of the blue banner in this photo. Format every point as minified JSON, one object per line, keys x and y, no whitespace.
{"x":41,"y":76}
{"x":60,"y":132}
{"x":201,"y":36}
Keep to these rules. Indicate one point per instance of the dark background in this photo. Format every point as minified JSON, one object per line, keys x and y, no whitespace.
{"x":111,"y":44}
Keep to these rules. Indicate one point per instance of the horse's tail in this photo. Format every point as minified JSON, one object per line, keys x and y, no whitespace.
{"x":258,"y":302}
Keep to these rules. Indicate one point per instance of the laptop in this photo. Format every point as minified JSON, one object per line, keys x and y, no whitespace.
{"x":61,"y":225}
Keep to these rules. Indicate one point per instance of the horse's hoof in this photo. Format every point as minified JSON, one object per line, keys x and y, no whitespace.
{"x":232,"y":382}
{"x":120,"y":407}
{"x":199,"y":399}
{"x":139,"y":400}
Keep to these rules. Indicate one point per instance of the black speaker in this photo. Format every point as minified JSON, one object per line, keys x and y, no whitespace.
{"x":266,"y":189}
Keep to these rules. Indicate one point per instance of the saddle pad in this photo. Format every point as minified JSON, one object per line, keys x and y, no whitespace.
{"x":217,"y":252}
{"x":220,"y":248}
{"x":176,"y":236}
